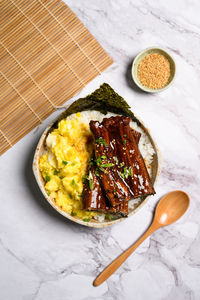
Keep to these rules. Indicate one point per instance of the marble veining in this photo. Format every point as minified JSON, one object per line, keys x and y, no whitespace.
{"x":44,"y":256}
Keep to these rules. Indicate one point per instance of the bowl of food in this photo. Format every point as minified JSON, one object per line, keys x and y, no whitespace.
{"x":153,"y":70}
{"x":97,"y":164}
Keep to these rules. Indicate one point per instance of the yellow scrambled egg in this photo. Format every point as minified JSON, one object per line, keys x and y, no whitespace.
{"x":64,"y":164}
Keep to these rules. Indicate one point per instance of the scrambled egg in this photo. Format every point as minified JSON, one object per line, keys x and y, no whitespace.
{"x":64,"y":164}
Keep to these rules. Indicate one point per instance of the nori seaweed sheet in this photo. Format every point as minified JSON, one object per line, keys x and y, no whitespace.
{"x":104,"y":100}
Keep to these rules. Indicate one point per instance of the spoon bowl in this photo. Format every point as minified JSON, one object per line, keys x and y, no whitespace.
{"x":171,"y":207}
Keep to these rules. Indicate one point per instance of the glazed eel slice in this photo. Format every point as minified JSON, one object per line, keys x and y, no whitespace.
{"x":136,"y":135}
{"x":94,"y":198}
{"x":115,"y":188}
{"x":113,"y":122}
{"x":133,"y":169}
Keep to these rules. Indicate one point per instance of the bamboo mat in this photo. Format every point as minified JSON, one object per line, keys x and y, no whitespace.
{"x":46,"y":56}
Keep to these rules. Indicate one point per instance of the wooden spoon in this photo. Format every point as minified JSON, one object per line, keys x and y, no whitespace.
{"x":169,"y":209}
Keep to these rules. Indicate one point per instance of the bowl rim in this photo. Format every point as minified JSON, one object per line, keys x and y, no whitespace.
{"x":37,"y":174}
{"x":135,"y":77}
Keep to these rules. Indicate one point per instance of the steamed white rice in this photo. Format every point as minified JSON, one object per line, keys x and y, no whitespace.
{"x":145,"y":147}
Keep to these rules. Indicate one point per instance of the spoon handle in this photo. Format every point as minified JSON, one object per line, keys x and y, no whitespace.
{"x":110,"y":269}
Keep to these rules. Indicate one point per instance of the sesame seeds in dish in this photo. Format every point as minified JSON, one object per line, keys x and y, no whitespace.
{"x":154,"y":71}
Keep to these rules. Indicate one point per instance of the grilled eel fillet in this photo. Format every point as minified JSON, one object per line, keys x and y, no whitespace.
{"x":96,"y":200}
{"x":114,"y":186}
{"x":125,"y":144}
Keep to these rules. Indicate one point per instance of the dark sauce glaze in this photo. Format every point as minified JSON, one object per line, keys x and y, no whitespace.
{"x":116,"y":190}
{"x":96,"y":200}
{"x":111,"y":191}
{"x":126,"y":141}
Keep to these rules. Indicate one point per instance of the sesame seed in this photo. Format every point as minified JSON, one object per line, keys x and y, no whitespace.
{"x":154,"y":71}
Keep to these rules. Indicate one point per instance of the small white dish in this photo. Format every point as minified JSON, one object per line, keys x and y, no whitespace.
{"x":142,"y":55}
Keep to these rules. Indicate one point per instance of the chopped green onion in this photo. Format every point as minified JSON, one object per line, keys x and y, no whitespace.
{"x":103,"y":157}
{"x":121,"y":174}
{"x":56,"y":172}
{"x":90,"y":175}
{"x":108,"y":217}
{"x":127,"y":172}
{"x":107,"y":165}
{"x":47,"y":178}
{"x":48,"y":193}
{"x":89,"y":178}
{"x":96,"y":172}
{"x":64,"y":162}
{"x":86,"y":219}
{"x":124,"y":135}
{"x":124,"y":142}
{"x":80,"y":195}
{"x":131,"y":171}
{"x":73,"y":182}
{"x":73,"y":213}
{"x":121,"y":164}
{"x":61,"y":177}
{"x":101,"y":141}
{"x":91,"y":185}
{"x":98,"y":161}
{"x":85,"y":178}
{"x":73,"y":164}
{"x":71,"y":196}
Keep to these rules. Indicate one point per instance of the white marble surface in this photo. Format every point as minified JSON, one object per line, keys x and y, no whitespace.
{"x":42,"y":255}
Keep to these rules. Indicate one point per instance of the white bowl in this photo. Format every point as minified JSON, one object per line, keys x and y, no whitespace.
{"x":156,"y":167}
